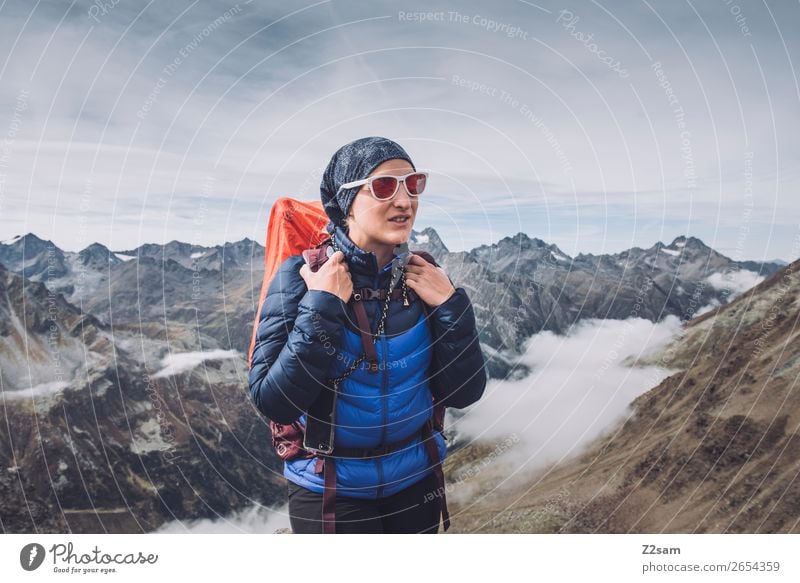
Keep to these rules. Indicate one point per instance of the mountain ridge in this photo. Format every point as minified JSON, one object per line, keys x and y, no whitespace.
{"x":426,"y":230}
{"x":530,"y":284}
{"x":704,"y":451}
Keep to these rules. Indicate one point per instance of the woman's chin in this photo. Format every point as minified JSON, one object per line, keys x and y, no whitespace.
{"x":399,"y":237}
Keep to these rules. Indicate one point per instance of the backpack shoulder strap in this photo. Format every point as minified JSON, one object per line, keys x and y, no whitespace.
{"x":316,"y":256}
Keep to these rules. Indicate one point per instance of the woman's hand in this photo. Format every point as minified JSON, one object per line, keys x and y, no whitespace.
{"x":333,"y":277}
{"x":429,"y":282}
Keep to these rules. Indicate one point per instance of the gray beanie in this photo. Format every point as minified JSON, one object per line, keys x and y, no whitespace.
{"x":354,"y":161}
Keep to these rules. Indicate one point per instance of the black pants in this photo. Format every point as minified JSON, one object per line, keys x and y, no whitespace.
{"x":415,"y":509}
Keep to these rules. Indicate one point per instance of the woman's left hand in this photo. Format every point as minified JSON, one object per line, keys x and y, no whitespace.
{"x":429,"y":282}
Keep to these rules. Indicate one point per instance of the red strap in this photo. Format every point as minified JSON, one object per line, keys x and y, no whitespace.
{"x":328,"y":467}
{"x":366,"y":336}
{"x":315,"y":257}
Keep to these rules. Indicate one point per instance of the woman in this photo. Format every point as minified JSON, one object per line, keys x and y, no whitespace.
{"x":310,"y":332}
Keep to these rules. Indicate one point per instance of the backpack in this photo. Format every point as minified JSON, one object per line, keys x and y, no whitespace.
{"x":298,"y":228}
{"x":293,"y":226}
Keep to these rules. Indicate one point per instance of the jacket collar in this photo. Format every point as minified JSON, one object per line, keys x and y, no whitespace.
{"x":358,"y":259}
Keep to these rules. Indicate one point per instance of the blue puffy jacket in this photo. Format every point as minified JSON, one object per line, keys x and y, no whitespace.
{"x":305,"y":337}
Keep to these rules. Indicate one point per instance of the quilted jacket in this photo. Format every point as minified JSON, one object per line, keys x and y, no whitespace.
{"x":305,"y":337}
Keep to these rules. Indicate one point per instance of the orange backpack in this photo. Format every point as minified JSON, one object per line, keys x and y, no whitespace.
{"x":294,"y":226}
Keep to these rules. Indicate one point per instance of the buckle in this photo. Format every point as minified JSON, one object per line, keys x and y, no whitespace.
{"x":371,"y":293}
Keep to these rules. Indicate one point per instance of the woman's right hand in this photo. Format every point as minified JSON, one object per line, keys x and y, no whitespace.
{"x":333,"y":277}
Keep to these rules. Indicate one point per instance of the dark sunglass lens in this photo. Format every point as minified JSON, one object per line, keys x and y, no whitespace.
{"x":415,"y":183}
{"x":384,"y":187}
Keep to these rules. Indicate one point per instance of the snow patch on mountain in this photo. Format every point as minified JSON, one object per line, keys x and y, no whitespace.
{"x":148,"y":438}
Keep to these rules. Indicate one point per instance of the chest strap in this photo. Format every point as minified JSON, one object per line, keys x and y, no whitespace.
{"x":358,"y":298}
{"x":371,"y":293}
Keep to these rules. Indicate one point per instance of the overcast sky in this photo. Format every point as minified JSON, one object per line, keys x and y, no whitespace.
{"x":595,"y":126}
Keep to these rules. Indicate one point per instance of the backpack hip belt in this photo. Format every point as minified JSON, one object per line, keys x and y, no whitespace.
{"x":326,"y":464}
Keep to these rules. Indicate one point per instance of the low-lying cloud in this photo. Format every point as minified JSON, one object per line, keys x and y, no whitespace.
{"x":577,"y":390}
{"x":41,"y":390}
{"x":177,"y":363}
{"x":735,"y":281}
{"x":255,"y":519}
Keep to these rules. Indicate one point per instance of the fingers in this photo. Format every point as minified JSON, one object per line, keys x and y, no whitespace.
{"x":338,"y":256}
{"x":417,"y":269}
{"x":416,"y":265}
{"x":338,"y":259}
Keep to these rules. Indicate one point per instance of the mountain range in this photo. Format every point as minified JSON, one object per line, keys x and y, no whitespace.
{"x":713,"y":448}
{"x":518,"y":286}
{"x":124,"y":380}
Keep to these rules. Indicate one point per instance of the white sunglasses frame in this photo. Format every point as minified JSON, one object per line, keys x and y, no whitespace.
{"x":400,"y":179}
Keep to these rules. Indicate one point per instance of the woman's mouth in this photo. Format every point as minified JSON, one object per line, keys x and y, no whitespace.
{"x":400,"y":220}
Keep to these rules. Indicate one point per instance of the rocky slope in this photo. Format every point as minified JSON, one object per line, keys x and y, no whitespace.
{"x":109,"y":432}
{"x":712,"y":449}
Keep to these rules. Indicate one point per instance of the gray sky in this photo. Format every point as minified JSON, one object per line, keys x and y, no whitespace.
{"x":593,"y":126}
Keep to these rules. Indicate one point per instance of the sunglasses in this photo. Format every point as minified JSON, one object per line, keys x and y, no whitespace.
{"x":384,"y":187}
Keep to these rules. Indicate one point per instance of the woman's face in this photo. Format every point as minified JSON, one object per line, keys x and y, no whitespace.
{"x":369,"y":220}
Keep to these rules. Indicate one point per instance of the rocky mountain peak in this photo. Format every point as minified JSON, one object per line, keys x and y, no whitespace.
{"x":33,"y":257}
{"x":97,"y":255}
{"x":428,"y":240}
{"x":690,"y":242}
{"x":30,"y":242}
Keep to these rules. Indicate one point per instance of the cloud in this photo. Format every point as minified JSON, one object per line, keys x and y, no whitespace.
{"x":255,"y":519}
{"x":39,"y":391}
{"x":149,"y":103}
{"x":735,"y":281}
{"x":177,"y":363}
{"x":577,"y":390}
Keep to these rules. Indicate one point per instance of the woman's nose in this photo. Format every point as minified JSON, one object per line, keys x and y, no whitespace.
{"x":402,"y":197}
